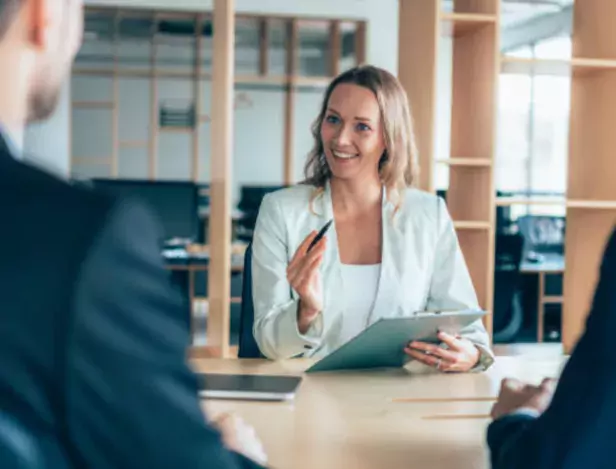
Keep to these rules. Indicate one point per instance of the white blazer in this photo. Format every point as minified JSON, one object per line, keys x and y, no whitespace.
{"x":422,"y":269}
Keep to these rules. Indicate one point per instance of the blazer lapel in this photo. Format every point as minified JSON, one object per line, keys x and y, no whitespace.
{"x":333,"y":287}
{"x":392,"y":259}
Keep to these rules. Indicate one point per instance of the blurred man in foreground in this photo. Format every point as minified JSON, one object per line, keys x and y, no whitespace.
{"x":92,"y":340}
{"x":574,"y":429}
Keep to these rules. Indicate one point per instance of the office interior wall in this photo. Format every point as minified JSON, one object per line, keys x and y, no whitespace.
{"x":382,"y":17}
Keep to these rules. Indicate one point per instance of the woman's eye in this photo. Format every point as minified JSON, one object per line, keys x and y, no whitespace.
{"x":332,"y":119}
{"x":362,"y":127}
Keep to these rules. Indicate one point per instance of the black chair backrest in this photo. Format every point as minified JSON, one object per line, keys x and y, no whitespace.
{"x":508,"y":257}
{"x":248,"y":345}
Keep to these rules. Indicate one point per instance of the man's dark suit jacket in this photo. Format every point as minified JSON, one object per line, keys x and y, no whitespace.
{"x":92,"y":338}
{"x":578,"y":430}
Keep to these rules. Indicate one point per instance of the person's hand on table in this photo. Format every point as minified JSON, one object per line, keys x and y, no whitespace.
{"x":304,"y":277}
{"x":515,"y":395}
{"x":240,"y":437}
{"x":462,"y":355}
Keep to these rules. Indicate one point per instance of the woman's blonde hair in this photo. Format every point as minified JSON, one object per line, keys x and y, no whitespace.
{"x":398,"y":165}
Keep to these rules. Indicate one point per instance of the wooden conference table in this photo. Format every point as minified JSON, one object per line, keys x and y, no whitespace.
{"x":388,"y":419}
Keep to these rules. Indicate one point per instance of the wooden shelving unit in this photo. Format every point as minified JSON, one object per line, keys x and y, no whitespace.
{"x":590,"y":203}
{"x":591,"y":193}
{"x":474,"y":30}
{"x":470,"y":195}
{"x":155,"y":71}
{"x":591,"y":190}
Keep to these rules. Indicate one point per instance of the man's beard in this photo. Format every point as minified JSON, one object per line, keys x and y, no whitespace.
{"x":44,"y":97}
{"x":43,"y":102}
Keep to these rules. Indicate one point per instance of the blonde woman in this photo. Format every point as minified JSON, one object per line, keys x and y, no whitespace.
{"x":390,"y":251}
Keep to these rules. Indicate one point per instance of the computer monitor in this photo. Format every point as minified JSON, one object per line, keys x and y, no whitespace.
{"x":543,"y":233}
{"x":175,"y":203}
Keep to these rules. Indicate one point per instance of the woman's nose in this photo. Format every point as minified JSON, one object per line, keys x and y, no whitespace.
{"x":344,"y":136}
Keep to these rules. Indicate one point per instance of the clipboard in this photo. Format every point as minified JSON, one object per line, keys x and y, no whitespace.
{"x":381,"y":345}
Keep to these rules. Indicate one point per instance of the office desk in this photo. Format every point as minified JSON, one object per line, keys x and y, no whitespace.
{"x":551,"y":264}
{"x":349,"y":420}
{"x":184,"y":269}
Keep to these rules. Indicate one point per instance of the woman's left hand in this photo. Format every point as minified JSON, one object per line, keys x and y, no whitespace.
{"x":462,"y":355}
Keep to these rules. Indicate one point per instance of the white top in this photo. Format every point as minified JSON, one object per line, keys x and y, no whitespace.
{"x":361,"y":283}
{"x":14,"y":138}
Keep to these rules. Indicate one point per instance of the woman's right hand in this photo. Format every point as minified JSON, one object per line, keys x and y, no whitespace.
{"x":303,"y":276}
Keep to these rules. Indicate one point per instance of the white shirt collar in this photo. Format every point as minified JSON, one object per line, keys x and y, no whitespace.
{"x":14,"y":139}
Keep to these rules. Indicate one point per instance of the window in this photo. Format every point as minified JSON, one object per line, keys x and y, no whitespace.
{"x":533,"y":129}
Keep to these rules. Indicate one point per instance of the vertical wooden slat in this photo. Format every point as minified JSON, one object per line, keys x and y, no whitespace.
{"x":71,"y":146}
{"x":263,"y":47}
{"x":199,"y":21}
{"x":115,"y":112}
{"x":289,"y":102}
{"x":417,"y":71}
{"x":495,"y":7}
{"x":475,"y":79}
{"x":153,"y":143}
{"x":197,"y":96}
{"x":540,"y":308}
{"x":360,"y":43}
{"x":335,"y":48}
{"x":191,"y":303}
{"x":222,"y":150}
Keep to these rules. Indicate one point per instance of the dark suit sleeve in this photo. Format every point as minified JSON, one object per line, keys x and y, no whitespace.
{"x":131,"y":400}
{"x":576,"y":430}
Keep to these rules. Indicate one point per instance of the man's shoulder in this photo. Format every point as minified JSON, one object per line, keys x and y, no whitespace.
{"x":48,"y":213}
{"x":34,"y":189}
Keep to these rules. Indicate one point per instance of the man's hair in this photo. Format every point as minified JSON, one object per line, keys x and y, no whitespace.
{"x":8,"y":9}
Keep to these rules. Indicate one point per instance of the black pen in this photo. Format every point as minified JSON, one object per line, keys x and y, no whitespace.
{"x":320,"y":235}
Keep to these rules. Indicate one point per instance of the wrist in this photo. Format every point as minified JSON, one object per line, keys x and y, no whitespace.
{"x":305,"y":317}
{"x":478,"y":353}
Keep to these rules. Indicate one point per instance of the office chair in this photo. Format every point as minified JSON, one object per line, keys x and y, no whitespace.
{"x":248,"y":347}
{"x":508,"y":313}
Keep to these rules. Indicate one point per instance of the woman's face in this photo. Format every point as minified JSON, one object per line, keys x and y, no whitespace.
{"x":352,"y":132}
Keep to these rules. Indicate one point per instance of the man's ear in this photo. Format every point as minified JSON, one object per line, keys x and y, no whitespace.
{"x":39,"y":15}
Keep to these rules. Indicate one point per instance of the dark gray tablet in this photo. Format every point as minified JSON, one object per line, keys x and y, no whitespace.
{"x":248,"y":387}
{"x":382,"y":344}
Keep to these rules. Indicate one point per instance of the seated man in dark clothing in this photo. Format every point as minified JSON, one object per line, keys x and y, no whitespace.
{"x":92,"y":340}
{"x":575,"y":428}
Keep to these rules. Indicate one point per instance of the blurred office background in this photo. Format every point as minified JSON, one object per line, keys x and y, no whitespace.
{"x":136,"y":118}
